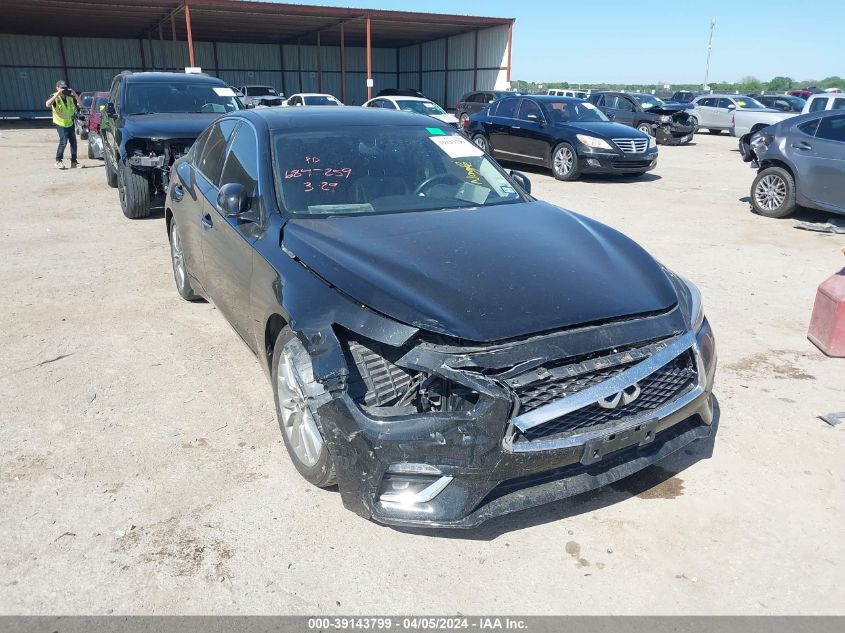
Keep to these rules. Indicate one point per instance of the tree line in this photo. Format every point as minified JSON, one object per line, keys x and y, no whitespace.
{"x":746,"y":84}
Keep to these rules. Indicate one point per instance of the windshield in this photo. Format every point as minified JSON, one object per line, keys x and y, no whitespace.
{"x":261,"y":91}
{"x":100,"y":104}
{"x":86,"y":100}
{"x":420,"y":107}
{"x":747,"y":103}
{"x":572,"y":111}
{"x":354,"y":170}
{"x":178,"y":97}
{"x":321,"y":100}
{"x":647,"y":101}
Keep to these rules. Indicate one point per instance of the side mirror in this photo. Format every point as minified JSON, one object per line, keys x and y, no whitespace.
{"x":610,"y":115}
{"x":250,"y":105}
{"x":522,"y":180}
{"x":110,"y":111}
{"x":232,"y":199}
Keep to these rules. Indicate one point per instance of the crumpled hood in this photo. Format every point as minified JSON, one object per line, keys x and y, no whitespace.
{"x":484,"y":274}
{"x":668,"y":110}
{"x":167,"y":126}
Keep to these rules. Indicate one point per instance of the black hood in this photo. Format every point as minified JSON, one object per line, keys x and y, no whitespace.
{"x":606,"y":129}
{"x":167,"y":126}
{"x":668,"y":109}
{"x":484,"y":274}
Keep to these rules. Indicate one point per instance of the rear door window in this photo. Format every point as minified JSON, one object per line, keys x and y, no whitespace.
{"x":507,"y":108}
{"x":242,"y":161}
{"x":839,"y":103}
{"x":832,"y":128}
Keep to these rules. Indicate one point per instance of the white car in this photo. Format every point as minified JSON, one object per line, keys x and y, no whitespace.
{"x":824,"y":101}
{"x":414,"y":104}
{"x":577,"y":94}
{"x":312,"y":99}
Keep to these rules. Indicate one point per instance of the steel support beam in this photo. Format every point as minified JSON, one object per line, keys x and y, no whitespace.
{"x":190,"y":35}
{"x":342,"y":64}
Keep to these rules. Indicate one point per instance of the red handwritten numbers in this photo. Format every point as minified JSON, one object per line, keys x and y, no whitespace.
{"x":341,"y":173}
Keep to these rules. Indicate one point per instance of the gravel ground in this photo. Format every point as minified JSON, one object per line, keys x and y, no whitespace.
{"x":142,"y":469}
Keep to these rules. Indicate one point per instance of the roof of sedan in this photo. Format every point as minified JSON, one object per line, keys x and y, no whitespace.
{"x":156,"y":76}
{"x":553,"y":99}
{"x":284,"y":118}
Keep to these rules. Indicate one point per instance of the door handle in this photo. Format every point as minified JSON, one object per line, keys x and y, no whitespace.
{"x":206,"y":222}
{"x":178,"y":192}
{"x":515,"y":127}
{"x":802,"y":145}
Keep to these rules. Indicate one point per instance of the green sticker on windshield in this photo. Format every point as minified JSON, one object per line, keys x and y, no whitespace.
{"x":435,"y":131}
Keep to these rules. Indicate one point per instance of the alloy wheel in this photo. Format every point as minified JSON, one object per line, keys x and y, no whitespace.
{"x":771,"y":192}
{"x":564,"y":161}
{"x":480,"y":142}
{"x":645,"y":129}
{"x":298,"y":423}
{"x":178,"y":257}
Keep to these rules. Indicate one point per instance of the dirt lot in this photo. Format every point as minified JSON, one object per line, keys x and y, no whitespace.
{"x":142,"y":470}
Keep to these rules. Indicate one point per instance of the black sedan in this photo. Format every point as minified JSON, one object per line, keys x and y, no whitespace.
{"x":440,"y":344}
{"x":570,"y":136}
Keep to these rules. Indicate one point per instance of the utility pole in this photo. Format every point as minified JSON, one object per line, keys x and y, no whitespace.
{"x":709,"y":50}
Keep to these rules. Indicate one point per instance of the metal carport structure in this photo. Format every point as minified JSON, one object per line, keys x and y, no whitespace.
{"x":293,"y":47}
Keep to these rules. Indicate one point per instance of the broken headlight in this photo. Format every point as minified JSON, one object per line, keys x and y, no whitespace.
{"x":664,"y":118}
{"x":689,"y":297}
{"x":380,"y":386}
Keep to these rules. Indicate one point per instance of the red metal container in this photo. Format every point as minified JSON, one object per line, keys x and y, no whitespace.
{"x":827,"y":325}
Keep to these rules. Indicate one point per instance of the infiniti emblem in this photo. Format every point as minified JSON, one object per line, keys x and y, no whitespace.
{"x":624,"y":397}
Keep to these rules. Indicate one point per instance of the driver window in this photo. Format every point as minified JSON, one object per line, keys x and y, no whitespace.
{"x":242,"y":161}
{"x":213,"y":152}
{"x":529,"y":107}
{"x":624,"y":105}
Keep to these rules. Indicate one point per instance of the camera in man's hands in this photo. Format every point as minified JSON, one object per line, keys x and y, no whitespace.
{"x":67,"y":92}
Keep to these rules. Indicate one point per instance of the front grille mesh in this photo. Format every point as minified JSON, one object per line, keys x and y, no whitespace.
{"x":631,"y":145}
{"x":656,"y":390}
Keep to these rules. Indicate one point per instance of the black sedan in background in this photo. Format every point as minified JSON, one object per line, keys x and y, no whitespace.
{"x":440,"y":344}
{"x":669,"y":124}
{"x":570,"y":136}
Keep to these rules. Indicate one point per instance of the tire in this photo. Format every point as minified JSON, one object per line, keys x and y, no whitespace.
{"x":714,"y":131}
{"x":134,"y":189}
{"x":83,"y":134}
{"x":694,"y":122}
{"x":481,"y":142}
{"x":90,"y":150}
{"x":773,"y":193}
{"x":565,"y":164}
{"x":111,"y":172}
{"x":181,"y":275}
{"x":462,"y":120}
{"x":646,"y":128}
{"x":304,"y":442}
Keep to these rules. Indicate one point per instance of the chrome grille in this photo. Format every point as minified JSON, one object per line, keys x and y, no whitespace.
{"x":656,"y":390}
{"x":631,"y":145}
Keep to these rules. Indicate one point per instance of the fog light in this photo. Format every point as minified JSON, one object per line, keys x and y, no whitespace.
{"x":417,"y":469}
{"x":410,"y":490}
{"x":592,"y":162}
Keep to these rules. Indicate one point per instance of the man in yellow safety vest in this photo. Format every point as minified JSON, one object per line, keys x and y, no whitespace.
{"x":64,"y":103}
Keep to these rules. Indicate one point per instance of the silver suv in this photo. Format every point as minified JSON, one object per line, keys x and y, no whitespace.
{"x":715,"y":112}
{"x":801,"y":162}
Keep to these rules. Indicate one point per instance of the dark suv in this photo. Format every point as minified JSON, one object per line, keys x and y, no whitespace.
{"x":669,"y":124}
{"x":151,"y":120}
{"x":474,"y":102}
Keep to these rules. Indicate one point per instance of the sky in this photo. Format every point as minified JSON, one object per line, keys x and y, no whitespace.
{"x":616,"y":41}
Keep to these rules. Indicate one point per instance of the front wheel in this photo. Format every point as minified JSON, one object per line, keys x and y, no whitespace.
{"x":773,"y":193}
{"x":694,"y":123}
{"x":134,"y":189}
{"x":90,"y":149}
{"x":292,"y":375}
{"x":646,"y":128}
{"x":464,"y":119}
{"x":565,"y":164}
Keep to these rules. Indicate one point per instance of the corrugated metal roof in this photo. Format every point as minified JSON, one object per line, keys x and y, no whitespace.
{"x":229,"y":20}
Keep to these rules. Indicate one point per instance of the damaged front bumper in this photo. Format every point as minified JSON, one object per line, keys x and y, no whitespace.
{"x":513,"y":451}
{"x":600,"y":162}
{"x":674,"y":133}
